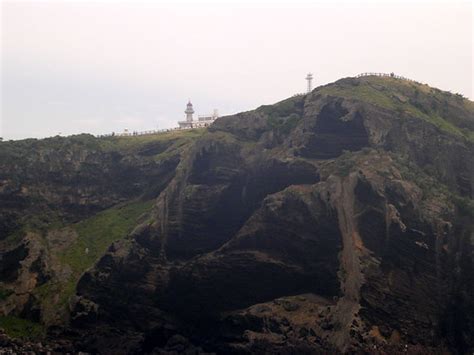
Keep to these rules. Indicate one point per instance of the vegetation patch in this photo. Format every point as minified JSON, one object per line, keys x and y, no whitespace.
{"x":95,"y":235}
{"x":130,"y":143}
{"x":343,"y":164}
{"x":284,"y":115}
{"x":414,"y":99}
{"x":5,"y":293}
{"x":464,"y":205}
{"x":284,"y":108}
{"x":21,"y":328}
{"x":432,"y":188}
{"x":284,"y":125}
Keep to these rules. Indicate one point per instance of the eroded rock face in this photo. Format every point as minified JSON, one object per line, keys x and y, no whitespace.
{"x":323,"y":197}
{"x":48,"y":185}
{"x":329,"y":222}
{"x":336,"y":129}
{"x":73,"y":178}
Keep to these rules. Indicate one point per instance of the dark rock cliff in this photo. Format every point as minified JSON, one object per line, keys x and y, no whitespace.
{"x":337,"y":221}
{"x":62,"y":202}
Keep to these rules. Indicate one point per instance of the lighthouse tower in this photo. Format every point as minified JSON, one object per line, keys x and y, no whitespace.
{"x":189,"y":112}
{"x":202,"y":120}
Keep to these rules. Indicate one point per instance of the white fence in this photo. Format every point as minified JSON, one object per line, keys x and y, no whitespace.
{"x":390,"y":75}
{"x":141,"y":133}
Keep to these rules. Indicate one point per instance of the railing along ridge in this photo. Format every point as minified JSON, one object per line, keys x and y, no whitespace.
{"x":141,"y":133}
{"x":387,"y":75}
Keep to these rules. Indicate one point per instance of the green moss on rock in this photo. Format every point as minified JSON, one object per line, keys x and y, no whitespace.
{"x":95,"y":235}
{"x":20,"y":328}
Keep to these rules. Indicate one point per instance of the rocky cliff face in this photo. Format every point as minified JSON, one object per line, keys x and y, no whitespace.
{"x":338,"y":221}
{"x":62,"y":202}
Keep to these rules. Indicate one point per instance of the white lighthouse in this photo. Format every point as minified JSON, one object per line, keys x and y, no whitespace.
{"x":202,"y":120}
{"x":189,"y":116}
{"x":189,"y":112}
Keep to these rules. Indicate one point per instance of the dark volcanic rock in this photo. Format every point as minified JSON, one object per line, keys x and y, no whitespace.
{"x":73,"y":177}
{"x":338,"y":221}
{"x":272,"y":203}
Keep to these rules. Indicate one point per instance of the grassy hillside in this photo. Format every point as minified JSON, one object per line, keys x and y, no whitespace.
{"x":16,"y":327}
{"x":18,"y":152}
{"x":94,"y":236}
{"x":132,"y":143}
{"x":451,"y":113}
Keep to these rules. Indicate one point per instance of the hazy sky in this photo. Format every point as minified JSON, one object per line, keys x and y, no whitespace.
{"x":99,"y":67}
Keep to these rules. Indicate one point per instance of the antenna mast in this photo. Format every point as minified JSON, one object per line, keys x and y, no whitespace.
{"x":309,"y":78}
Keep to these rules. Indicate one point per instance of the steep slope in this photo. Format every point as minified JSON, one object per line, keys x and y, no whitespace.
{"x":348,"y":193}
{"x":337,"y":221}
{"x":63,"y":201}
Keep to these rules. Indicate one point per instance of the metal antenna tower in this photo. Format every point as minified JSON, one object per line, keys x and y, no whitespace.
{"x":309,"y":78}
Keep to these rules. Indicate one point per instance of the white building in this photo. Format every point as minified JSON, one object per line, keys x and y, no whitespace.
{"x":202,"y":121}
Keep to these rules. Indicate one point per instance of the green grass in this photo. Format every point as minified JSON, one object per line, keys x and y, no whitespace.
{"x":132,"y":142}
{"x":283,"y":116}
{"x":99,"y":231}
{"x":20,"y":150}
{"x":21,"y":328}
{"x":284,"y":108}
{"x":361,"y":92}
{"x":95,"y":235}
{"x":25,"y":152}
{"x":446,"y":126}
{"x":344,"y":163}
{"x":432,"y":188}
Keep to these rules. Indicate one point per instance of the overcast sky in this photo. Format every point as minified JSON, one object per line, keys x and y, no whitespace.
{"x":97,"y":67}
